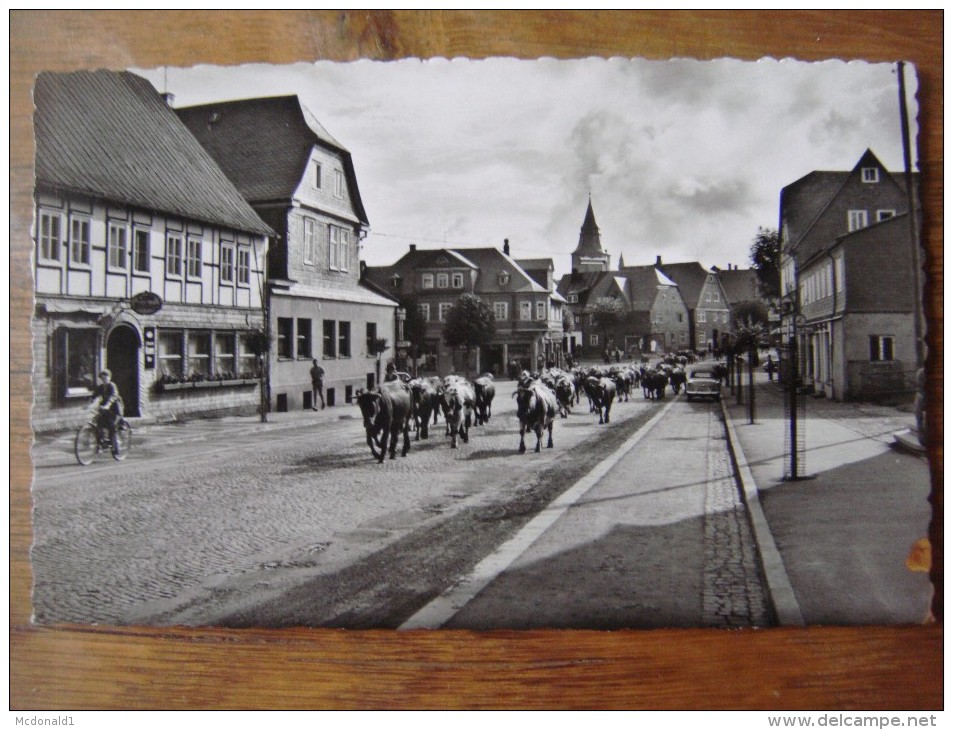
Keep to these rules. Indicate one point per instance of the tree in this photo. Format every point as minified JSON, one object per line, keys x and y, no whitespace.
{"x":470,"y":323}
{"x":766,"y":258}
{"x":749,"y":313}
{"x":607,"y":313}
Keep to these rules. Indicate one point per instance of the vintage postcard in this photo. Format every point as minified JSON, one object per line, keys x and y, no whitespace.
{"x":496,"y":344}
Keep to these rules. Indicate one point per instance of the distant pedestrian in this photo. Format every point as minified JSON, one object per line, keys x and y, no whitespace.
{"x":769,"y":366}
{"x":317,"y":385}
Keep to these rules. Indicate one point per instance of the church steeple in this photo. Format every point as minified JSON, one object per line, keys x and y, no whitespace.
{"x":589,"y":255}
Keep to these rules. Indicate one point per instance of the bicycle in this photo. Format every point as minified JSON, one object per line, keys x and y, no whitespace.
{"x":91,"y":441}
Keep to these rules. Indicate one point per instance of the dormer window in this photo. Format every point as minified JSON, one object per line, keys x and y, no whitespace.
{"x":503,"y":278}
{"x":870,"y":174}
{"x":395,"y":281}
{"x":883,"y":215}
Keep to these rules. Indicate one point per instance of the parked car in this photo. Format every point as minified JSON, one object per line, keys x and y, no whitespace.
{"x":703,"y":383}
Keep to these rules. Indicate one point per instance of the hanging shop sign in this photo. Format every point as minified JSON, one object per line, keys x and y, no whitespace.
{"x":146,"y":302}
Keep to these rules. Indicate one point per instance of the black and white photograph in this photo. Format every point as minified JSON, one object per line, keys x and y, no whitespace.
{"x":600,"y":343}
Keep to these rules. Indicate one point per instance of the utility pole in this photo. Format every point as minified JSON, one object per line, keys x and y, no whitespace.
{"x":911,"y":216}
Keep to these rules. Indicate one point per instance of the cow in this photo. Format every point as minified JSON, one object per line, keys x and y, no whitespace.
{"x":458,"y":401}
{"x":536,"y":410}
{"x":653,"y":384}
{"x":426,"y":399}
{"x":484,"y":390}
{"x":677,"y":379}
{"x":387,"y":412}
{"x":601,"y":392}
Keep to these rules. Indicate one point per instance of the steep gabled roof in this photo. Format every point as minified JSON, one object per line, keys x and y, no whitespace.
{"x":579,"y":283}
{"x":111,"y":136}
{"x":490,"y":262}
{"x":740,"y":285}
{"x":690,"y":277}
{"x":644,"y":282}
{"x":589,"y":241}
{"x":264,"y":145}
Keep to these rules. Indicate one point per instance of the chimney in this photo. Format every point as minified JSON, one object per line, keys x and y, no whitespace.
{"x":413,"y":247}
{"x":658,"y":260}
{"x":506,"y":246}
{"x":168,"y":98}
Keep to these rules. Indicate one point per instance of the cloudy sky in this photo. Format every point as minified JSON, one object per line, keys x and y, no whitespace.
{"x":683,"y":159}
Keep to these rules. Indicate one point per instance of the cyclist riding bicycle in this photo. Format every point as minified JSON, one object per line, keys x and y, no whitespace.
{"x":106,"y":407}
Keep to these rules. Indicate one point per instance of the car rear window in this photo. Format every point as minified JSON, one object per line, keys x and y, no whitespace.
{"x":702,"y":374}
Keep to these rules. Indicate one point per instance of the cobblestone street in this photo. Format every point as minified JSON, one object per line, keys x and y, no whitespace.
{"x":208,"y":524}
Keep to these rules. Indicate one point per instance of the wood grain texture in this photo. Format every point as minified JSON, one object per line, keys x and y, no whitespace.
{"x":818,"y":668}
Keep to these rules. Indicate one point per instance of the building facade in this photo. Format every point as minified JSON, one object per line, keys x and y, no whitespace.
{"x":154,"y":269}
{"x":706,"y":302}
{"x":848,"y":279}
{"x":528,"y":317}
{"x":302,"y":182}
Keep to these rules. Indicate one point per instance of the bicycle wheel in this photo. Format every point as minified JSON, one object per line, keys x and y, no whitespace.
{"x":86,"y":443}
{"x":123,"y":440}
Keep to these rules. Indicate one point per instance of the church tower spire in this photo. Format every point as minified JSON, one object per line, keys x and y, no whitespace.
{"x":589,"y":255}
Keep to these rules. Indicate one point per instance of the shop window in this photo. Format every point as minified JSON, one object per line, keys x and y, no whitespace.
{"x":225,"y":355}
{"x":304,"y":339}
{"x":329,"y":344}
{"x":344,"y":339}
{"x":199,"y":354}
{"x":247,"y":358}
{"x":76,"y":354}
{"x":285,"y":338}
{"x":170,"y":354}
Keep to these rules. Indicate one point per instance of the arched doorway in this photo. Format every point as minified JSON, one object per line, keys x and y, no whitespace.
{"x":122,"y":359}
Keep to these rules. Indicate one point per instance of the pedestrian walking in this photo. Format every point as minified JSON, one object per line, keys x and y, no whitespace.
{"x":317,"y":385}
{"x":769,"y":366}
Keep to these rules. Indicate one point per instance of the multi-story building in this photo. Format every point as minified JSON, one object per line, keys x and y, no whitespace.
{"x":148,"y":261}
{"x":528,"y":315}
{"x":847,"y":273}
{"x":301,"y":181}
{"x":706,"y":301}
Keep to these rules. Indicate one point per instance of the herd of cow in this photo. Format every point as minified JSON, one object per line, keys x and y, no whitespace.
{"x":399,"y":405}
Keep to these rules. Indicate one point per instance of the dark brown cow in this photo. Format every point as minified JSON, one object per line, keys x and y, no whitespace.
{"x":601,"y":392}
{"x":387,"y":412}
{"x":484,"y":390}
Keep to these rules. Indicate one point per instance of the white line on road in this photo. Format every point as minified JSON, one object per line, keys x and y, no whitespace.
{"x":445,"y":606}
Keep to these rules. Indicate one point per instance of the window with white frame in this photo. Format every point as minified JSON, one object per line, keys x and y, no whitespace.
{"x":707,"y":296}
{"x":303,"y":349}
{"x":426,"y":281}
{"x":141,"y":253}
{"x":702,"y":315}
{"x":573,"y":298}
{"x":445,"y":308}
{"x":170,"y":353}
{"x":194,"y":258}
{"x":593,"y":340}
{"x":856,"y":219}
{"x":330,"y":338}
{"x":839,"y":274}
{"x":500,"y":310}
{"x":881,"y":348}
{"x":885,"y":214}
{"x":540,"y":310}
{"x":443,"y":281}
{"x":310,"y":239}
{"x":456,"y":280}
{"x":424,"y":309}
{"x":224,"y":362}
{"x":50,"y":236}
{"x":526,"y":311}
{"x":117,"y":248}
{"x":199,"y":354}
{"x":339,"y":239}
{"x":716,"y":296}
{"x":317,"y":175}
{"x":227,"y":265}
{"x":244,"y":265}
{"x":247,"y":359}
{"x":338,"y":184}
{"x":173,"y":255}
{"x":286,"y":326}
{"x":870,"y":174}
{"x":79,"y":241}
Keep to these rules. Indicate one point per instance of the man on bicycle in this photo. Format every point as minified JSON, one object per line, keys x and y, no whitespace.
{"x":107,"y":407}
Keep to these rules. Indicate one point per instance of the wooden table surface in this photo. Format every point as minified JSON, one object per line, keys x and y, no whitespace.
{"x":86,"y":667}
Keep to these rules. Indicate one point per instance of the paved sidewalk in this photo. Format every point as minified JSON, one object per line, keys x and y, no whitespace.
{"x":835,"y":544}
